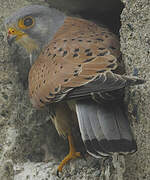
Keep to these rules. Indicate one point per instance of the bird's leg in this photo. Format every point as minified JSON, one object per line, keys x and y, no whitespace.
{"x":72,"y":154}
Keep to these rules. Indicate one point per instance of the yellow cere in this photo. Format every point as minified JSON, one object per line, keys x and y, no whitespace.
{"x":13,"y":31}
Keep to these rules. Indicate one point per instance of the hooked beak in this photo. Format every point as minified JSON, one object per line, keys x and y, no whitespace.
{"x":11,"y":39}
{"x":13,"y":35}
{"x":21,"y":38}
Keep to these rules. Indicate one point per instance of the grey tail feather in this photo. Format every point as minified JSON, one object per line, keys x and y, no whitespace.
{"x":105,"y":129}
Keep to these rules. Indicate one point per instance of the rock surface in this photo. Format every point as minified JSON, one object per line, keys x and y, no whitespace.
{"x":28,"y":137}
{"x":135,"y":46}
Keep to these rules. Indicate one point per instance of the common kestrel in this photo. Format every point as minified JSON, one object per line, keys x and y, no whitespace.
{"x":79,"y":69}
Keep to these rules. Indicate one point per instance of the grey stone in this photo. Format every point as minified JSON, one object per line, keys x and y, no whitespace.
{"x":135,"y":33}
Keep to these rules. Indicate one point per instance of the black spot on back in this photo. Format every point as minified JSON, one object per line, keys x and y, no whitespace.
{"x":111,"y":66}
{"x":99,"y":39}
{"x":101,"y":48}
{"x":87,"y":50}
{"x":111,"y":61}
{"x":88,"y":60}
{"x":54,"y":55}
{"x":76,"y":50}
{"x":41,"y":101}
{"x":103,"y":53}
{"x":75,"y":74}
{"x":89,"y":54}
{"x":64,"y":53}
{"x":65,"y":80}
{"x":60,"y":49}
{"x":75,"y":71}
{"x":75,"y":55}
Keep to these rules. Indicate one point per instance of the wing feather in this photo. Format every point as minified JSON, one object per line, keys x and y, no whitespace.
{"x":79,"y":53}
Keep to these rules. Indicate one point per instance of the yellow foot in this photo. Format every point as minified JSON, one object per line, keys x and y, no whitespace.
{"x":66,"y":159}
{"x":72,"y":155}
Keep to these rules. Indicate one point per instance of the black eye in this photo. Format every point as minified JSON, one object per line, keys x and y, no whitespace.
{"x":28,"y":21}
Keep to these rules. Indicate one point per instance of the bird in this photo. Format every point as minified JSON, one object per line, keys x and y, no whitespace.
{"x":76,"y":67}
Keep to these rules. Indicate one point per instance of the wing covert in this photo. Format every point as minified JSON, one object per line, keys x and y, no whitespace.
{"x":79,"y":53}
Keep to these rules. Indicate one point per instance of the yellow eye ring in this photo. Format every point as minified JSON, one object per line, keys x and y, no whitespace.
{"x":26,"y":22}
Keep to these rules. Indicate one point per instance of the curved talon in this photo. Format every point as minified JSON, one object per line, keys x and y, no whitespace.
{"x":72,"y":155}
{"x":57,"y":173}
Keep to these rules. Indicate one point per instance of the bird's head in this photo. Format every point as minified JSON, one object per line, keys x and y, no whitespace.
{"x":33,"y":26}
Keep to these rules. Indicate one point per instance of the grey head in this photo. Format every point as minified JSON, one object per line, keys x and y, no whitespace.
{"x":33,"y":26}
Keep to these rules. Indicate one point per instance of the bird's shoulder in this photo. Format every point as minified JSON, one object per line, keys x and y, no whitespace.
{"x":77,"y":54}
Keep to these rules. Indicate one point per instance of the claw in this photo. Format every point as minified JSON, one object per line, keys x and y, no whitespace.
{"x":72,"y":155}
{"x":57,"y":173}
